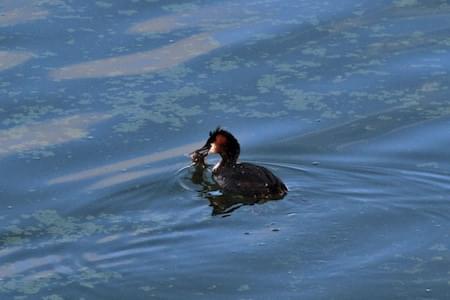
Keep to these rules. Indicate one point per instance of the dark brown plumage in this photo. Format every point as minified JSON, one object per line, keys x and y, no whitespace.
{"x":233,"y":177}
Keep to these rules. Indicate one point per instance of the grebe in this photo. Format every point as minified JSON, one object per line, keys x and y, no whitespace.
{"x":233,"y":177}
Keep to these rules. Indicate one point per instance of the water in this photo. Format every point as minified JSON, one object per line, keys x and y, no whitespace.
{"x":347,"y":103}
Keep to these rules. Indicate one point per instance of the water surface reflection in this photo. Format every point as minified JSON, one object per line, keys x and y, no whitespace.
{"x":101,"y":101}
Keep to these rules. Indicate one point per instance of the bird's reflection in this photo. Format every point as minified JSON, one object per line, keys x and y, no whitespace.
{"x":221,"y":204}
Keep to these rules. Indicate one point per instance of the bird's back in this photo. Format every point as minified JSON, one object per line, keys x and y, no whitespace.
{"x":247,"y":179}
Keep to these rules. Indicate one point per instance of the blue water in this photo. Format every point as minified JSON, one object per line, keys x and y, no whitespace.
{"x":100,"y":103}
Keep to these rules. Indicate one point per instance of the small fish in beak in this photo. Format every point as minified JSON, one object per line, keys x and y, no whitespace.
{"x":199,"y":155}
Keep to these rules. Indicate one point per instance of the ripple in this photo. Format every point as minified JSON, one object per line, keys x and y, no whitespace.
{"x":194,"y":180}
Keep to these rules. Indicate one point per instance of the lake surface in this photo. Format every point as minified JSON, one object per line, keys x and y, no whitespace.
{"x":348,"y":103}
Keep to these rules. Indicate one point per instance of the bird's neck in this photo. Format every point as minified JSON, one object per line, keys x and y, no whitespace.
{"x":225,"y":162}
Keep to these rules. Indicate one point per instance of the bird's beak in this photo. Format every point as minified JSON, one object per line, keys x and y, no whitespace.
{"x":203,"y":151}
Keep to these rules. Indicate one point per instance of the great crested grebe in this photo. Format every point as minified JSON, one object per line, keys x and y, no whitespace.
{"x":236,"y":178}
